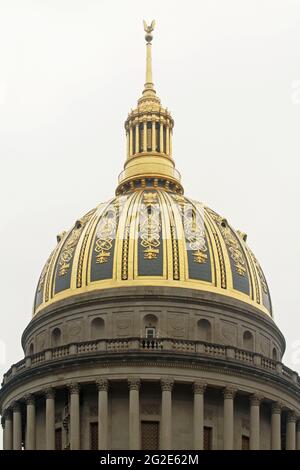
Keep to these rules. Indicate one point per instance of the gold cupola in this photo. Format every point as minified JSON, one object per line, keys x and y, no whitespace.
{"x":149,"y":129}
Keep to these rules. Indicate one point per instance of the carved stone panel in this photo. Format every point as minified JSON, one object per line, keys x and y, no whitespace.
{"x":228,"y":333}
{"x":177,"y":325}
{"x":41,"y":341}
{"x":264,"y":345}
{"x":74,"y":331}
{"x":123,"y":324}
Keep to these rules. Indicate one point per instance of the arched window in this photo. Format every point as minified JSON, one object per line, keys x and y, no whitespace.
{"x":248,"y":341}
{"x":274,"y":354}
{"x":150,"y":326}
{"x":56,"y":337}
{"x":97,"y":328}
{"x":204,"y":330}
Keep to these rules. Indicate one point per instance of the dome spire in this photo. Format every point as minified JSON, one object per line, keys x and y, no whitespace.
{"x":149,"y":87}
{"x":149,"y":132}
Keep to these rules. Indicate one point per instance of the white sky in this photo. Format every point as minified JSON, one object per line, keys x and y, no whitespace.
{"x":70,"y":70}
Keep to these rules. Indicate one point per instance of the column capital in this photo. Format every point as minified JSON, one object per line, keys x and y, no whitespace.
{"x":167,"y":384}
{"x":134,"y":383}
{"x":291,"y":417}
{"x":277,"y":407}
{"x":49,"y":393}
{"x":7,"y":413}
{"x":199,"y":387}
{"x":29,"y":399}
{"x":74,"y":388}
{"x":102,"y":385}
{"x":3,"y":421}
{"x":16,"y":406}
{"x":229,"y":392}
{"x":256,"y":399}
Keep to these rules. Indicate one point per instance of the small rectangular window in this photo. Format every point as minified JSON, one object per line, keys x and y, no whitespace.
{"x":149,"y":135}
{"x":245,"y":443}
{"x":58,"y":439}
{"x":94,"y":436}
{"x":141,"y":139}
{"x":207,"y":438}
{"x":157,"y":136}
{"x":150,"y":333}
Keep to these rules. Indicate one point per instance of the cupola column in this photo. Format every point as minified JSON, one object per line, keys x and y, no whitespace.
{"x":30,"y":422}
{"x":102,"y":385}
{"x":199,"y":389}
{"x":167,"y":384}
{"x":255,"y":401}
{"x":134,"y":413}
{"x":276,"y":426}
{"x":74,"y":390}
{"x":130,"y":141}
{"x":145,"y":136}
{"x":8,"y":430}
{"x":137,"y":138}
{"x":17,"y":426}
{"x":161,"y":137}
{"x":291,"y":431}
{"x":50,"y":418}
{"x":229,"y":394}
{"x":153,"y":145}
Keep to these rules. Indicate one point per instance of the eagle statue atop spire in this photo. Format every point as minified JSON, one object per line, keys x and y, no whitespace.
{"x":148,"y":30}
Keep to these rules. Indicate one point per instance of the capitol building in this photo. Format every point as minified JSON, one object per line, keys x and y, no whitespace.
{"x":152,"y":325}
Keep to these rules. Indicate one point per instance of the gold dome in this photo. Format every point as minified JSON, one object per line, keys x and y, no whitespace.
{"x":150,"y":234}
{"x":153,"y":237}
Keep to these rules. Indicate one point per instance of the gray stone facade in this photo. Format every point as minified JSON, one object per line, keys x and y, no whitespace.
{"x":211,"y":377}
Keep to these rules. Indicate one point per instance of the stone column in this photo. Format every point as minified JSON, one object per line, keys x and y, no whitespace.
{"x":167,"y":384}
{"x":102,"y":386}
{"x":199,"y":388}
{"x":298,"y":434}
{"x":30,"y":422}
{"x":291,"y":431}
{"x":229,"y":394}
{"x":17,"y":426}
{"x":134,"y":413}
{"x":8,"y":430}
{"x":255,"y":401}
{"x":50,"y":418}
{"x":276,"y":426}
{"x":74,"y":389}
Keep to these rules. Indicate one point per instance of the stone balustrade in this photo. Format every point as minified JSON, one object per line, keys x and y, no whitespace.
{"x":152,"y":346}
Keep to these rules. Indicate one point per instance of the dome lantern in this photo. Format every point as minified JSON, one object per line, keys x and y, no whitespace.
{"x":149,"y":129}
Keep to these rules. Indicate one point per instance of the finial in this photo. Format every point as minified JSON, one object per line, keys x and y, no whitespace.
{"x":148,"y":30}
{"x":149,"y":87}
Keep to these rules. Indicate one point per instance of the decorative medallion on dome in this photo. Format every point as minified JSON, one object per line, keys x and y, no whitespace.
{"x":195,"y":233}
{"x":66,"y":255}
{"x":231,"y":242}
{"x":105,"y":235}
{"x":150,"y":226}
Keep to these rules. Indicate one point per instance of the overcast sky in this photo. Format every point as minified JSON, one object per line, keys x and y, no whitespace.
{"x":70,"y":70}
